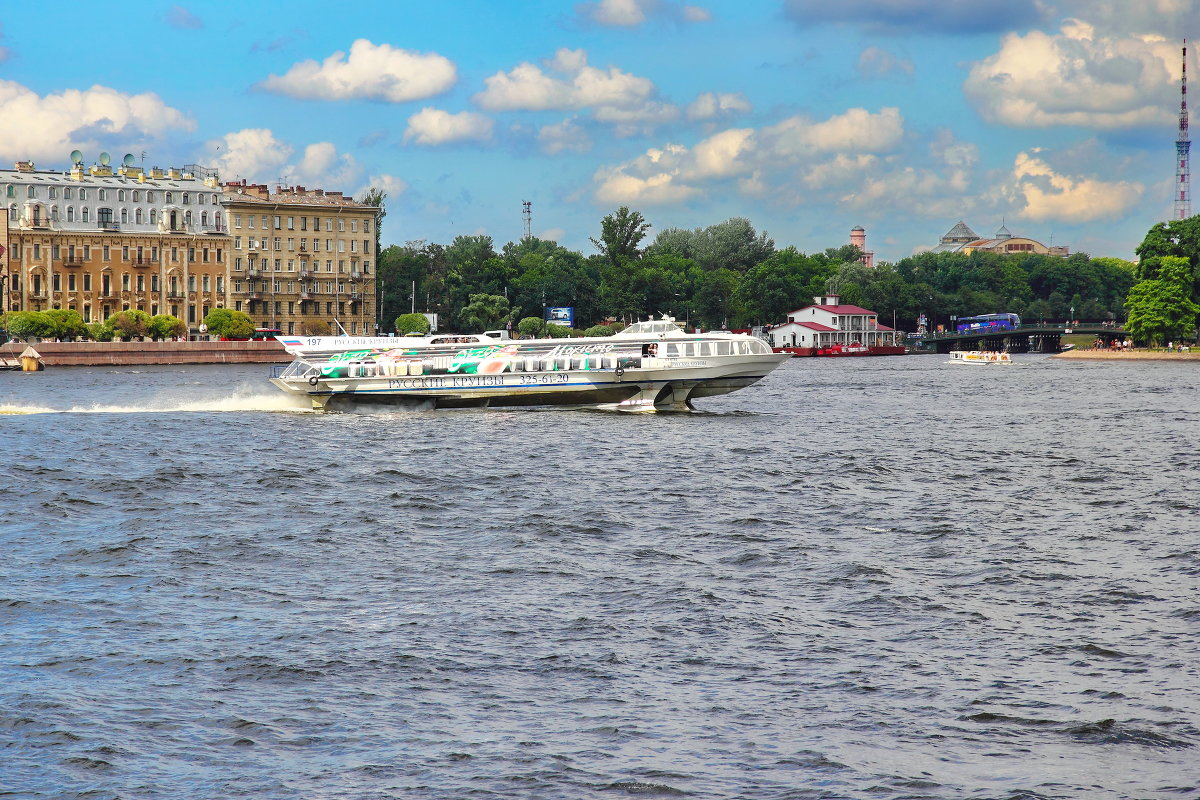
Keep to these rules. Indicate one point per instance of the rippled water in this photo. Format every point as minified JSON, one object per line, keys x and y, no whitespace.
{"x":866,"y":578}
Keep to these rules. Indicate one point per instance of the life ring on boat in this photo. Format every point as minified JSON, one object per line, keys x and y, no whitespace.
{"x":619,"y":372}
{"x":312,"y":380}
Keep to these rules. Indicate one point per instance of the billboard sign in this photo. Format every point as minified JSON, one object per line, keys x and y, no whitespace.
{"x":561,"y":316}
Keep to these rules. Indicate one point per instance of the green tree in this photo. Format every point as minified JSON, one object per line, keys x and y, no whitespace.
{"x":375,"y":196}
{"x":1162,"y":309}
{"x":620,"y":234}
{"x":30,"y":324}
{"x":229,"y":324}
{"x":67,"y":323}
{"x":487,"y":312}
{"x":412,"y":323}
{"x":100,"y":331}
{"x":166,"y":326}
{"x":128,"y":324}
{"x":530,"y":326}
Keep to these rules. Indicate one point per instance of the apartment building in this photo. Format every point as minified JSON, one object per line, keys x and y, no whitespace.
{"x":302,"y":260}
{"x":100,"y":240}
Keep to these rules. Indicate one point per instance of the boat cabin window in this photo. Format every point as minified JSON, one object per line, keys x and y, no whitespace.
{"x":671,"y":349}
{"x":724,"y":348}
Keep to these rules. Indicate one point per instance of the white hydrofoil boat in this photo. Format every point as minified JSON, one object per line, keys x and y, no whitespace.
{"x":648,"y":366}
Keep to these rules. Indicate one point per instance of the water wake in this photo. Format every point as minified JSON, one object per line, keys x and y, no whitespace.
{"x":239,"y":401}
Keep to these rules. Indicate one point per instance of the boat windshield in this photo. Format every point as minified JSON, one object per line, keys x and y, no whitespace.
{"x":650,"y":327}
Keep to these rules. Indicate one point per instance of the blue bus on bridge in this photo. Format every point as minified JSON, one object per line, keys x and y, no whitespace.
{"x":987,"y":323}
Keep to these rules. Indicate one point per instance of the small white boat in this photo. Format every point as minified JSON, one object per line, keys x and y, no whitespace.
{"x":649,"y":366}
{"x":979,"y":357}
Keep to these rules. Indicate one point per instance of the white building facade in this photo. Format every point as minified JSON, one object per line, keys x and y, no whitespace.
{"x":828,"y":322}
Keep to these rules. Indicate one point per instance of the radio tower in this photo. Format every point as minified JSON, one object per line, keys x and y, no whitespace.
{"x":527,"y":216}
{"x":1183,"y":198}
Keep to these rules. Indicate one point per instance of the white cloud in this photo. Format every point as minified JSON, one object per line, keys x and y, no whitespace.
{"x":49,"y":127}
{"x":713,"y":105}
{"x":564,"y":136}
{"x":528,"y":88}
{"x":1048,"y":195}
{"x":251,"y":153}
{"x":392,"y":185}
{"x":552,"y":234}
{"x":321,"y":164}
{"x":753,"y":157}
{"x":180,"y":17}
{"x":256,"y":155}
{"x":432,"y":126}
{"x":371,"y":71}
{"x":719,"y":156}
{"x":855,"y":130}
{"x":632,"y":13}
{"x":875,"y":62}
{"x":1076,"y":77}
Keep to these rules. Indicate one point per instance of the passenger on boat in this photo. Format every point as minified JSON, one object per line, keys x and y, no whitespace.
{"x":650,"y":350}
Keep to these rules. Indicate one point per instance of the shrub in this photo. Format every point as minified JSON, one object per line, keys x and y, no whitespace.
{"x":412,"y":323}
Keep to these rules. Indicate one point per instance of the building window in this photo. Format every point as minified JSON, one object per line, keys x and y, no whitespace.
{"x":125,"y":281}
{"x":291,"y":223}
{"x":149,"y":197}
{"x":191,"y":254}
{"x":12,"y":190}
{"x":71,"y":282}
{"x":278,"y":265}
{"x":237,"y":243}
{"x":84,"y":213}
{"x":141,"y":282}
{"x":31,"y":191}
{"x":220,"y":283}
{"x":154,"y":282}
{"x":169,"y":197}
{"x":56,"y":282}
{"x":204,"y":217}
{"x":83,"y":194}
{"x":366,"y":226}
{"x":341,"y":225}
{"x":153,"y":216}
{"x":104,"y":253}
{"x":70,"y":213}
{"x":186,"y":201}
{"x":102,"y":195}
{"x":121,"y":195}
{"x":276,"y":222}
{"x":205,"y":283}
{"x":278,"y":243}
{"x":87,"y":282}
{"x":237,"y":220}
{"x":137,"y":216}
{"x":136,"y":195}
{"x":124,"y":215}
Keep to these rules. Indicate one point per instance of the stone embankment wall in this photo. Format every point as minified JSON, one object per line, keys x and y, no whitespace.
{"x":1127,"y":355}
{"x":82,"y":354}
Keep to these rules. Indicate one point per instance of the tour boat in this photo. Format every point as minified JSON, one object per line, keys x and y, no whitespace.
{"x":651,"y":365}
{"x":979,"y":357}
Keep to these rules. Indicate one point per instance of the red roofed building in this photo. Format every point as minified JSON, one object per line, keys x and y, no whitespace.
{"x":829,"y":323}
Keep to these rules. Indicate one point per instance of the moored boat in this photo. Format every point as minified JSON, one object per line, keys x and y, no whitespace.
{"x":979,"y":357}
{"x":650,"y":365}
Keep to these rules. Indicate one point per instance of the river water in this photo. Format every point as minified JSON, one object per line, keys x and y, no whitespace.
{"x":860,"y":578}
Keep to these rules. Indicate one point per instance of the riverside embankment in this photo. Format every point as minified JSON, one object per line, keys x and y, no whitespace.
{"x":1127,"y":355}
{"x":91,"y":354}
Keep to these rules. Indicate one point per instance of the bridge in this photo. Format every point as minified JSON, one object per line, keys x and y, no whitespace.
{"x":1038,"y":338}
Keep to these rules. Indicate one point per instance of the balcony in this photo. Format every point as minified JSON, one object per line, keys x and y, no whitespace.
{"x":217,"y":229}
{"x":305,"y":274}
{"x":72,"y":263}
{"x":306,"y":295}
{"x":108,"y":225}
{"x":142,"y":262}
{"x":355,"y":275}
{"x":255,"y":294}
{"x":255,"y":272}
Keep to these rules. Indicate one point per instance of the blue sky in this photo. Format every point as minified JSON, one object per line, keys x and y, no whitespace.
{"x":805,"y":116}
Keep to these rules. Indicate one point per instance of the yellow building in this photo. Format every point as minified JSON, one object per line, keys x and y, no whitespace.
{"x":99,"y":240}
{"x":302,"y":260}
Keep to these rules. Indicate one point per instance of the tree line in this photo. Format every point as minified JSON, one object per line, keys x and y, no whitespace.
{"x":729,"y":275}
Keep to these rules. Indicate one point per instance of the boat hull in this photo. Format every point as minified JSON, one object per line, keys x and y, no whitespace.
{"x":631,"y":389}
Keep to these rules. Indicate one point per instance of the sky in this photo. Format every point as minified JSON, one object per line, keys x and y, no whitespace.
{"x":1056,"y":118}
